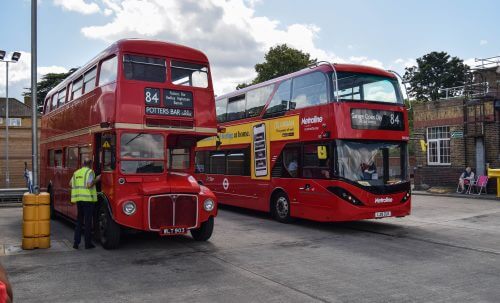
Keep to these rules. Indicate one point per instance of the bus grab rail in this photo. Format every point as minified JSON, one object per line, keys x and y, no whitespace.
{"x":404,"y":85}
{"x":336,"y":82}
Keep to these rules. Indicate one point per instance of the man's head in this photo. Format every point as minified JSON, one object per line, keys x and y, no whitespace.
{"x":87,"y":162}
{"x":468,"y":169}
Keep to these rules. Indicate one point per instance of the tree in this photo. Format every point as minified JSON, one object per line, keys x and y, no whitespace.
{"x":280,"y":60}
{"x":48,"y":82}
{"x":434,"y":71}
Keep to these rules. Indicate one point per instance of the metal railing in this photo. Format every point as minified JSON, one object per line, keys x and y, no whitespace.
{"x":12,"y":195}
{"x":470,"y":90}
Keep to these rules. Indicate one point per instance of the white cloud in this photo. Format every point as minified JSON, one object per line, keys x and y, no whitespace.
{"x":471,"y":62}
{"x":483,"y":42}
{"x":408,"y":62}
{"x":229,"y":32}
{"x":20,"y":75}
{"x":79,"y":6}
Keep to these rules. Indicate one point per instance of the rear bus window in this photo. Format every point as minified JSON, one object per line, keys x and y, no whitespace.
{"x":189,"y":74}
{"x":144,"y":68}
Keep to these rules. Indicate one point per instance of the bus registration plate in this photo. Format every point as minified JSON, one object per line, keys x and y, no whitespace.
{"x":172,"y":231}
{"x":382,"y":214}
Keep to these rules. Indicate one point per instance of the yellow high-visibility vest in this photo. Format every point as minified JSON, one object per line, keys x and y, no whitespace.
{"x":79,"y":190}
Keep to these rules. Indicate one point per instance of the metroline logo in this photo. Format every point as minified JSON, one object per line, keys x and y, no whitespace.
{"x":311,"y":120}
{"x":383,"y":200}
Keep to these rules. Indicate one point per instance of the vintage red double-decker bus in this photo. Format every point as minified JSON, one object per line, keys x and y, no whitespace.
{"x":327,"y":143}
{"x":137,"y":109}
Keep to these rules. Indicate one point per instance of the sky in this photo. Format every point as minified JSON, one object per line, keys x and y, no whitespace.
{"x":235,"y":34}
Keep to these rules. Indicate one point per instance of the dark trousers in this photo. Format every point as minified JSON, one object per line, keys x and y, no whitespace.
{"x":85,"y":213}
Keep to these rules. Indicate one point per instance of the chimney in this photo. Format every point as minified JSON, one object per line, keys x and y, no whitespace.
{"x":27,"y":101}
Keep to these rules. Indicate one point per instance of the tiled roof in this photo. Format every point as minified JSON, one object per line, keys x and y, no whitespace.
{"x":17,"y":109}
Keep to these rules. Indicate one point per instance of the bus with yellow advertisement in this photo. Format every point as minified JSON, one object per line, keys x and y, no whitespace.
{"x":327,"y":143}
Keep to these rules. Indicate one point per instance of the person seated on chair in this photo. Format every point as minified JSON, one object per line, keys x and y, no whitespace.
{"x":465,"y":178}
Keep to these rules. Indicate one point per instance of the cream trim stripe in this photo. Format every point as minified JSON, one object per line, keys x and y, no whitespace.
{"x":97,"y":128}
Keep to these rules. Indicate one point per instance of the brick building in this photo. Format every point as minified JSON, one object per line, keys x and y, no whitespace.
{"x":462,"y":129}
{"x":19,"y":141}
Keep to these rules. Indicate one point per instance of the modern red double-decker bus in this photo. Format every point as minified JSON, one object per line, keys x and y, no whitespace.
{"x":327,"y":143}
{"x":137,"y":109}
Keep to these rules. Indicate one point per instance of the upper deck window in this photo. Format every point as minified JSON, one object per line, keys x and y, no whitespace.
{"x":366,"y":87}
{"x":107,"y":73}
{"x":77,"y":88}
{"x":144,"y":68}
{"x":281,"y":99}
{"x":256,"y":100}
{"x":309,"y":90}
{"x":236,"y":108}
{"x":189,"y":74}
{"x":54,"y":102}
{"x":61,"y":96}
{"x":89,"y":80}
{"x":221,"y":110}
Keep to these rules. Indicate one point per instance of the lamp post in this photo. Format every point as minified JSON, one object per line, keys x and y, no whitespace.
{"x":14,"y":58}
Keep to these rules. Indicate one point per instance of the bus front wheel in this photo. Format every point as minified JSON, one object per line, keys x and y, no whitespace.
{"x":109,"y":231}
{"x":204,"y":232}
{"x":280,"y":208}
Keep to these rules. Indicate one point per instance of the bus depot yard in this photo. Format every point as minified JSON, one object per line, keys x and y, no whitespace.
{"x":448,"y":250}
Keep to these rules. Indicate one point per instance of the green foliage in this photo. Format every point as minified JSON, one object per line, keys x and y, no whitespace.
{"x":280,"y":60}
{"x":48,"y":82}
{"x":434,"y":71}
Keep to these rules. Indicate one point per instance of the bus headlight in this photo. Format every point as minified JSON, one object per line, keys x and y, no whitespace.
{"x":129,"y":208}
{"x":209,"y":205}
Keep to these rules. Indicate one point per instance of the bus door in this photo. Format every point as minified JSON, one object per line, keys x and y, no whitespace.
{"x":311,"y":167}
{"x":105,"y":161}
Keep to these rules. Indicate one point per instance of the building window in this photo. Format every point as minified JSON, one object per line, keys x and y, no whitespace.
{"x":438,"y":145}
{"x":14,"y":121}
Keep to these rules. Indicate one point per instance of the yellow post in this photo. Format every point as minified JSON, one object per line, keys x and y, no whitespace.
{"x":495,"y":173}
{"x":36,"y":221}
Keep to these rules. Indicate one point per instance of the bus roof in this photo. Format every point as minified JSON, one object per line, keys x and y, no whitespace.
{"x":133,"y":45}
{"x":339,"y":67}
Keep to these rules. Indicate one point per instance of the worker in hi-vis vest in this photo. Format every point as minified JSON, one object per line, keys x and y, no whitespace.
{"x":84,"y":194}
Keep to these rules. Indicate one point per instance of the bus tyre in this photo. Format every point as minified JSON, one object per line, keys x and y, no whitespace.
{"x":280,"y":208}
{"x":204,"y":232}
{"x":109,"y":231}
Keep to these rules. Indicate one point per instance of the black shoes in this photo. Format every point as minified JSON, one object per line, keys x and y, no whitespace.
{"x":75,"y":246}
{"x":89,"y":246}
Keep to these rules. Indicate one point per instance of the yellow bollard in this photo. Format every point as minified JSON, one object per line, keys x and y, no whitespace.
{"x":495,"y":173}
{"x":36,"y":221}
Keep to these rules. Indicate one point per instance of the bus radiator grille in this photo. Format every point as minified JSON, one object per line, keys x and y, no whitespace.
{"x":173,"y":210}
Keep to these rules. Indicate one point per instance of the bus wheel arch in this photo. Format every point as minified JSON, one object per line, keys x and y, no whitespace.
{"x":107,"y":230}
{"x":280,"y":206}
{"x":204,"y":232}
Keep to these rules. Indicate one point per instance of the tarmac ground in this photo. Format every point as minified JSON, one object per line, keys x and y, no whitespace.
{"x":448,"y":250}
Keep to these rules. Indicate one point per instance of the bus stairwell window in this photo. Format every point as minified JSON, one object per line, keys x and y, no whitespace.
{"x":144,"y":68}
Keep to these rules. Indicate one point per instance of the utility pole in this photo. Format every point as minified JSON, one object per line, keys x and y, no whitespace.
{"x":34,"y":113}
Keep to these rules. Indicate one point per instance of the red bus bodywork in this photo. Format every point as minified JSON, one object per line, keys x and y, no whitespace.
{"x":335,"y":198}
{"x":94,"y":124}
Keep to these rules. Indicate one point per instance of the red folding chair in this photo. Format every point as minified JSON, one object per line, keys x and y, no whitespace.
{"x":479,"y":185}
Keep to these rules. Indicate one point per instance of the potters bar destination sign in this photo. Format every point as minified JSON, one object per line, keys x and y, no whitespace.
{"x":176,"y":103}
{"x":376,"y":119}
